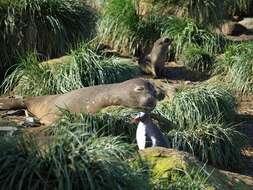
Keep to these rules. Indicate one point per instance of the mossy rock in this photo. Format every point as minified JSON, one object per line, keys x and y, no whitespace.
{"x":163,"y":162}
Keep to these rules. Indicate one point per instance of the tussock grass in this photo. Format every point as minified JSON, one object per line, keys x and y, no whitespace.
{"x":204,"y":12}
{"x":46,"y":26}
{"x":114,"y":121}
{"x":213,"y":142}
{"x":118,"y":26}
{"x":124,"y":30}
{"x":83,"y":155}
{"x":186,"y":33}
{"x":237,"y":6}
{"x":97,"y":4}
{"x":204,"y":102}
{"x":78,"y":160}
{"x":237,"y":67}
{"x":202,"y":116}
{"x":87,"y":68}
{"x":197,"y":59}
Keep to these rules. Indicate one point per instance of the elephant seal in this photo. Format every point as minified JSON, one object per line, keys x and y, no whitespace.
{"x":136,"y":93}
{"x":12,"y":102}
{"x":155,"y":61}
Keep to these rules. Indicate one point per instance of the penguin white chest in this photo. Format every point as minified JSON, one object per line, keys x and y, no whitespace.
{"x":141,"y":136}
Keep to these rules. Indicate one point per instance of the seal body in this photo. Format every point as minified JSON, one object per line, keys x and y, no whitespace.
{"x":155,"y":61}
{"x":11,"y":103}
{"x":148,"y":134}
{"x":136,"y":93}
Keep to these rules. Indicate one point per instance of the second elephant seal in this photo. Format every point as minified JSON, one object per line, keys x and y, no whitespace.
{"x":154,"y":62}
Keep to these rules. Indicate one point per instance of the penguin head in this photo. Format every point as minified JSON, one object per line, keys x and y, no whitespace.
{"x":141,"y":117}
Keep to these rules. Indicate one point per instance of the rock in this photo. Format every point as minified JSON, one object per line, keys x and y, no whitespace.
{"x":247,"y":23}
{"x":163,"y":161}
{"x":233,"y":28}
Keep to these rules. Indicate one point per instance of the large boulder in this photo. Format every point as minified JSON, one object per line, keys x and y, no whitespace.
{"x":163,"y":162}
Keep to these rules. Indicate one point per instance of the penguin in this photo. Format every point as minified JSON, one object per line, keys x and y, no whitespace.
{"x":147,"y":133}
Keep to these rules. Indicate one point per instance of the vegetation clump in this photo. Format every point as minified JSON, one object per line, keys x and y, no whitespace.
{"x":185,"y":33}
{"x":195,"y":105}
{"x":204,"y":12}
{"x":98,"y":151}
{"x":114,"y":121}
{"x":216,"y":143}
{"x":84,"y":68}
{"x":45,"y":26}
{"x":236,"y":68}
{"x":201,"y":116}
{"x":80,"y":159}
{"x":197,"y":59}
{"x":173,"y":169}
{"x":124,"y":30}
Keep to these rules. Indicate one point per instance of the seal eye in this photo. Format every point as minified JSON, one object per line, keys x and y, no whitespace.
{"x":139,"y":88}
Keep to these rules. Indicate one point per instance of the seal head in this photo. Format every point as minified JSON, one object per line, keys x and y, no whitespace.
{"x":139,"y":93}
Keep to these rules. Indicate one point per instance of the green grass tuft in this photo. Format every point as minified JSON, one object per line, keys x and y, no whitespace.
{"x":186,"y":33}
{"x":86,"y":68}
{"x":197,"y":59}
{"x":193,"y":106}
{"x":201,"y":115}
{"x":45,"y":26}
{"x":204,"y":12}
{"x":77,"y":160}
{"x":129,"y":33}
{"x":124,"y":30}
{"x":218,"y":144}
{"x":116,"y":121}
{"x":201,"y":11}
{"x":237,"y":67}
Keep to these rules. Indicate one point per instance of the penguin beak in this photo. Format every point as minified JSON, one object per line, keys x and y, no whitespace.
{"x":136,"y":120}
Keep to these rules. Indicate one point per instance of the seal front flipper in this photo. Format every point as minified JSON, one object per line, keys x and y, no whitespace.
{"x":12,"y":102}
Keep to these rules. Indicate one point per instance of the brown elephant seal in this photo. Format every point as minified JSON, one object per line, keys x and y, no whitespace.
{"x":11,"y":102}
{"x":135,"y":93}
{"x":155,"y":61}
